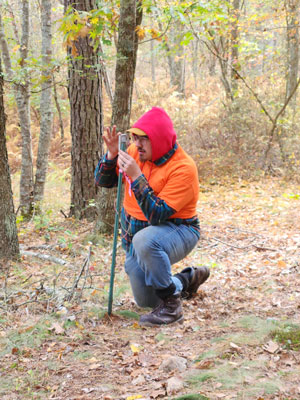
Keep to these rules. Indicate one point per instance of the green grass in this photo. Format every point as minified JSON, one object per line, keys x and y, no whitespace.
{"x":206,"y":355}
{"x":162,"y":337}
{"x":128,"y":314}
{"x":82,"y":355}
{"x":288,"y":336}
{"x":202,"y":377}
{"x":260,"y":326}
{"x":247,"y":375}
{"x":33,"y":337}
{"x":231,"y":377}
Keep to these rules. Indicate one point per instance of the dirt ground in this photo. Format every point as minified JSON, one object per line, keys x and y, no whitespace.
{"x":57,"y":342}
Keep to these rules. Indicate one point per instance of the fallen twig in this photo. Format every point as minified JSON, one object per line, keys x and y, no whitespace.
{"x":45,"y":257}
{"x":234,"y":228}
{"x":42,"y":246}
{"x":64,"y":214}
{"x":263,"y":248}
{"x":87,"y":272}
{"x":232,"y":245}
{"x":209,"y":246}
{"x":75,"y":284}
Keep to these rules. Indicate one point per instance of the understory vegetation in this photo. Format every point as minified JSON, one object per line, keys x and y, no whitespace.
{"x":240,"y":338}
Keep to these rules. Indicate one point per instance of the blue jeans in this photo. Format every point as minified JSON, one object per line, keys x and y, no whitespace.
{"x":155,"y":249}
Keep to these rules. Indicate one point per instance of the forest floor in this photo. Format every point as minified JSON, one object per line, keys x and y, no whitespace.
{"x":240,"y":338}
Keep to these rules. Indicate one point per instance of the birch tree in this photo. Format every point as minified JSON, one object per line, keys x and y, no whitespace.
{"x":45,"y":103}
{"x":9,"y":245}
{"x":21,"y":86}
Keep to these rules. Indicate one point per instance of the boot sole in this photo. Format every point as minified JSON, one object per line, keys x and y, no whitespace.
{"x":150,"y":324}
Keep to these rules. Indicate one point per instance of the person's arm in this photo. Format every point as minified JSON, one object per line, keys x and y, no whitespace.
{"x":105,"y":173}
{"x":155,"y":209}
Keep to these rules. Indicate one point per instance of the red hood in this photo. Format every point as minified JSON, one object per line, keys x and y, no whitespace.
{"x":159,"y":128}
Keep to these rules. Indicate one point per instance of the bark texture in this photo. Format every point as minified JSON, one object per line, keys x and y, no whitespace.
{"x":23,"y":101}
{"x":22,"y":95}
{"x":45,"y":103}
{"x":176,"y":59}
{"x":9,"y":245}
{"x":175,"y":55}
{"x":235,"y":46}
{"x":127,"y":46}
{"x":125,"y":67}
{"x":292,"y":18}
{"x":85,"y":95}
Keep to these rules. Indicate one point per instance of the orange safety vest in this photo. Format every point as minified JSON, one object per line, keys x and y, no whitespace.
{"x":175,"y":182}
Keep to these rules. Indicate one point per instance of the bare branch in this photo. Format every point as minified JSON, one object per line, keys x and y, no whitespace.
{"x":161,"y":35}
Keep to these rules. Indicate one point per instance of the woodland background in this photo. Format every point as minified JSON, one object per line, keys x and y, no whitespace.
{"x":227,"y":73}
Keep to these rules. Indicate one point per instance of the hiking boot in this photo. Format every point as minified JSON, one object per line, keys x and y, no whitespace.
{"x":192,"y":278}
{"x":168,"y":311}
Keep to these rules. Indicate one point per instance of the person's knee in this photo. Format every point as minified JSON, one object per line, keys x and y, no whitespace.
{"x":140,"y":244}
{"x":144,"y":242}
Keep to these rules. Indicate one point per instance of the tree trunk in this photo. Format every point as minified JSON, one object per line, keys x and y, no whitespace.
{"x":212,"y":62}
{"x":23,"y":100}
{"x":22,"y":95}
{"x":172,"y":47}
{"x":58,"y":108}
{"x":9,"y":245}
{"x":85,"y":95}
{"x":130,"y":18}
{"x":195,"y":62}
{"x":125,"y":66}
{"x":176,"y":58}
{"x":26,"y":181}
{"x":292,"y":20}
{"x":153,"y":77}
{"x":45,"y":103}
{"x":105,"y":76}
{"x":234,"y":46}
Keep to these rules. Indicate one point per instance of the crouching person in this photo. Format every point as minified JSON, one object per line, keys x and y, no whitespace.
{"x":159,"y":221}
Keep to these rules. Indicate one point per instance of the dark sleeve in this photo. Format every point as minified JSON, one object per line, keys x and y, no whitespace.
{"x":155,"y":209}
{"x":105,"y":173}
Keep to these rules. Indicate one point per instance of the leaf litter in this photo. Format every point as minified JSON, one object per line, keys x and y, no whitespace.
{"x":57,"y":341}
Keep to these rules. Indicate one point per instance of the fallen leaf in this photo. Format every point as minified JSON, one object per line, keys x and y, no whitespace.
{"x":92,"y":360}
{"x":235,"y":347}
{"x":205,"y":364}
{"x":88,"y":390}
{"x":281,"y":264}
{"x":136,"y":325}
{"x":139,"y":380}
{"x":157,"y":393}
{"x":271,"y":347}
{"x":15,"y":350}
{"x":94,"y":366}
{"x":57,"y":328}
{"x":135,"y":348}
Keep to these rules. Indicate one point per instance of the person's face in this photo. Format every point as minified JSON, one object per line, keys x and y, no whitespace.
{"x":143,"y":145}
